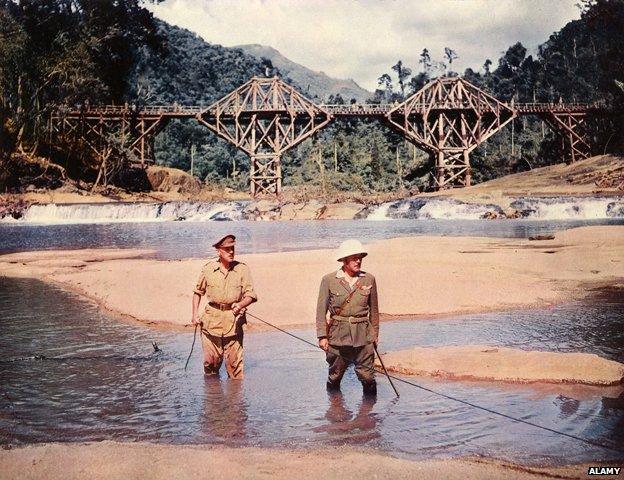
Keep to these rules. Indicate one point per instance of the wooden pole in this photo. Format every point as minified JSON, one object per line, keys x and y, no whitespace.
{"x":192,"y":157}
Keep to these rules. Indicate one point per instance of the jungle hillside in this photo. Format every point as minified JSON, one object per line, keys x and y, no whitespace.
{"x":79,"y":52}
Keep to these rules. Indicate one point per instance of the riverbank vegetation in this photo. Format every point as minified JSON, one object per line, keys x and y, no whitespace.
{"x":75,"y":52}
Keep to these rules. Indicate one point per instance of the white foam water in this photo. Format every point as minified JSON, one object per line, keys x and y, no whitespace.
{"x":534,"y":208}
{"x":545,"y":208}
{"x":581,"y":208}
{"x":132,"y":212}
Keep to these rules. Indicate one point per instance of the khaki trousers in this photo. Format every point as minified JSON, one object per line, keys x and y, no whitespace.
{"x":217,"y":349}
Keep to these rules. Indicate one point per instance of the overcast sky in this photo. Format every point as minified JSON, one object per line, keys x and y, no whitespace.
{"x":363,"y":39}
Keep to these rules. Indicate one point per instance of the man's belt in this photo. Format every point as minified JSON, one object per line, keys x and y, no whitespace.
{"x":221,"y":306}
{"x":360,"y":319}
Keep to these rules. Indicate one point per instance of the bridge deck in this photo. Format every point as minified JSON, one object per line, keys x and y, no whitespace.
{"x":355,"y":110}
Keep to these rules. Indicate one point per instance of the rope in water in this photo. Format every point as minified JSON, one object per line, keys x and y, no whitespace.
{"x":459,"y":400}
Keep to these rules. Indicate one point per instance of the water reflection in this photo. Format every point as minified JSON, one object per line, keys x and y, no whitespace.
{"x":359,"y":427}
{"x":225,"y":411}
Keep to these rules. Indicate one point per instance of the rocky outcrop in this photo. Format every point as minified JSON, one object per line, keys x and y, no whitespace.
{"x":164,"y":179}
{"x":262,"y":210}
{"x":312,"y":210}
{"x":14,"y":210}
{"x":341,"y":211}
{"x":301,"y":211}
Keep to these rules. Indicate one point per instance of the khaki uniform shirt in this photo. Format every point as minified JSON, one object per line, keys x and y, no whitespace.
{"x":357,"y":322}
{"x":226,"y":288}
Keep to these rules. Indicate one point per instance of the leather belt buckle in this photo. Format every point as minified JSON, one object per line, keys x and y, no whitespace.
{"x":221,"y":306}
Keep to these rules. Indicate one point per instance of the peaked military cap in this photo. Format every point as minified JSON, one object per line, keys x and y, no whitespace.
{"x":227,"y":241}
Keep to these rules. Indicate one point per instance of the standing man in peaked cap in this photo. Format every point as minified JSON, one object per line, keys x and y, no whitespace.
{"x":227,"y":285}
{"x":349,"y":298}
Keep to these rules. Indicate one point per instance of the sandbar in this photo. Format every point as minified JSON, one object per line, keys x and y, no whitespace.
{"x":105,"y":460}
{"x":417,"y":277}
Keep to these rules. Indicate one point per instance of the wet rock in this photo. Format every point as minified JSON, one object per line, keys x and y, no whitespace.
{"x":615,"y":210}
{"x":542,"y":237}
{"x":365,"y":212}
{"x":13,"y":210}
{"x":512,"y":213}
{"x":341,"y":211}
{"x":491,"y":215}
{"x":262,"y":210}
{"x":301,"y":211}
{"x":409,"y":208}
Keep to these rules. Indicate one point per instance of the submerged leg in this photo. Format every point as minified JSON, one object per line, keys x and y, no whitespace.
{"x":337,"y":366}
{"x":213,"y":353}
{"x":365,"y":358}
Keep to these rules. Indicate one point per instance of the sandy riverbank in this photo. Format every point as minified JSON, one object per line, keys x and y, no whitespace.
{"x":108,"y":460}
{"x":483,"y":362}
{"x":416,"y":276}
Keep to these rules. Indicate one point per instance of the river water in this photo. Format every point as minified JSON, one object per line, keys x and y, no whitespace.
{"x":174,"y":240}
{"x":100,"y":379}
{"x":70,"y":373}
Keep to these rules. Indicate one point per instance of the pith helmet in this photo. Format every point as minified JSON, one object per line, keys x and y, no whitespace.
{"x":350,"y":247}
{"x":227,"y":241}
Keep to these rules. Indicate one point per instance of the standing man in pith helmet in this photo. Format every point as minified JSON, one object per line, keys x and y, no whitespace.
{"x":347,"y":318}
{"x":229,"y":290}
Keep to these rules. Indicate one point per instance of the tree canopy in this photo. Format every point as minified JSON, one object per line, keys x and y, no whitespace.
{"x":70,"y":52}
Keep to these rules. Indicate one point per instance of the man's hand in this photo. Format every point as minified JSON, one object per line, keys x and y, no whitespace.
{"x":196,"y":320}
{"x":323,"y":343}
{"x":237,"y":309}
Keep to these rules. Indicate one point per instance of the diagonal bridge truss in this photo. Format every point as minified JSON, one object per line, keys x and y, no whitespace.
{"x":265,"y":117}
{"x":449,"y":118}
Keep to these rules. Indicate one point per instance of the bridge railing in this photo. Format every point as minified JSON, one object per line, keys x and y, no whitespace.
{"x":334,"y":109}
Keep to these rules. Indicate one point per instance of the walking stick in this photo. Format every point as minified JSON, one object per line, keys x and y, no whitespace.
{"x":385,"y":371}
{"x":192,"y":345}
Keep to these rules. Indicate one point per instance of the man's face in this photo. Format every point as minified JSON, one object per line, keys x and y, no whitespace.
{"x":353,"y":263}
{"x":226,"y":254}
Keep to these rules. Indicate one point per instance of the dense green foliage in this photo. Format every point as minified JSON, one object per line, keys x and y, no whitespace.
{"x":114,"y":51}
{"x":64,"y":52}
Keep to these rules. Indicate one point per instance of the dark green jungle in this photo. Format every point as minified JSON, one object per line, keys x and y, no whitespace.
{"x":77,"y":52}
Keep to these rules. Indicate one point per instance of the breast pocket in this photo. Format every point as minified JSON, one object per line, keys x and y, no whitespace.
{"x":336,"y":297}
{"x":363,"y":294}
{"x":233,"y":291}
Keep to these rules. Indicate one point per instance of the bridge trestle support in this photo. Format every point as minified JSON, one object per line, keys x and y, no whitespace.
{"x":264,"y":118}
{"x":448,"y":118}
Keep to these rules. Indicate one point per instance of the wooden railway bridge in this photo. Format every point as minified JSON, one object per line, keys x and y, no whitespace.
{"x":265,"y":117}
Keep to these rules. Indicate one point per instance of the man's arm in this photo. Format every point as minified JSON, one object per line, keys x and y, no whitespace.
{"x":195,"y":318}
{"x":249,"y":294}
{"x":198,"y":292}
{"x":321,"y":314}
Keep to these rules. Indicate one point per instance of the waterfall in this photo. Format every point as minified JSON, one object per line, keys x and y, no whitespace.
{"x":133,"y":212}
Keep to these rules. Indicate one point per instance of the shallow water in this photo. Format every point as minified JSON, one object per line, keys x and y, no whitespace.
{"x":175,"y":240}
{"x":106,"y":382}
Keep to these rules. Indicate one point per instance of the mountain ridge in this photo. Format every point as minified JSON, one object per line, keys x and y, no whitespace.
{"x":314,"y":83}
